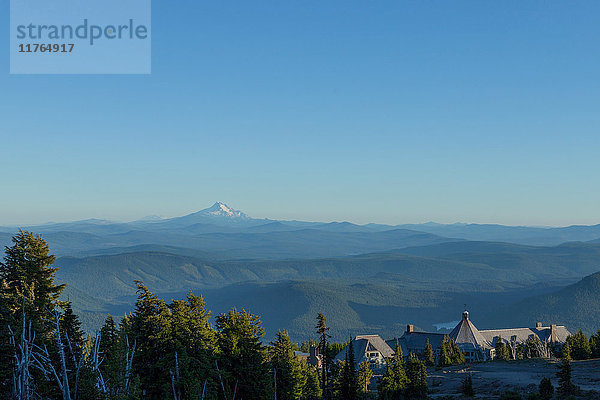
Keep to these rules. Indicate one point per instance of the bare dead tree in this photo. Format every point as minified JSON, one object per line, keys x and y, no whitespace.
{"x":175,"y":380}
{"x":536,"y":348}
{"x":43,"y":360}
{"x":22,"y":380}
{"x":513,"y":347}
{"x":223,"y":385}
{"x":78,"y":363}
{"x":128,"y":362}
{"x":275,"y":381}
{"x":96,"y":361}
{"x":204,"y":389}
{"x":221,"y":379}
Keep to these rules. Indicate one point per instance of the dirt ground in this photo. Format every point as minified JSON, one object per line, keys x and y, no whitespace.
{"x":491,"y":379}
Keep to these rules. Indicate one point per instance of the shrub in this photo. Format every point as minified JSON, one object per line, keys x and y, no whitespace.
{"x":546,"y":389}
{"x":511,"y":395}
{"x":467,"y":386}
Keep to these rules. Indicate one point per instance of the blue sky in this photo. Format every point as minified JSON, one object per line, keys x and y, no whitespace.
{"x":387,"y":111}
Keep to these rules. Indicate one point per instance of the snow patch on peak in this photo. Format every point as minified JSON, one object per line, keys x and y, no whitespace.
{"x":223,"y":210}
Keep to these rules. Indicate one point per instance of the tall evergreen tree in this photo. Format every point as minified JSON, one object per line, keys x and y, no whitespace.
{"x":175,"y":345}
{"x":416,"y":374}
{"x":72,"y":335}
{"x":191,"y":343}
{"x":322,"y":331}
{"x":429,"y":357}
{"x":456,"y":354}
{"x":243,"y":359}
{"x":27,"y":289}
{"x":595,"y":345}
{"x":445,"y":358}
{"x":565,"y":385}
{"x":109,"y":335}
{"x":312,"y":388}
{"x":349,"y":384}
{"x":365,"y":374}
{"x":290,"y":375}
{"x":502,"y":352}
{"x":580,"y":346}
{"x":394,"y":380}
{"x":146,"y":322}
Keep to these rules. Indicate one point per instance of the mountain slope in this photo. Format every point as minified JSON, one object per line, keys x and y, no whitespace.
{"x":512,"y":234}
{"x":577,"y":306}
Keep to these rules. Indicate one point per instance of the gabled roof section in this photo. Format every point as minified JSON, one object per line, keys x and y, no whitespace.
{"x":366,"y":343}
{"x":465,"y":334}
{"x":375,"y":342}
{"x":418,"y":340}
{"x":554,"y":333}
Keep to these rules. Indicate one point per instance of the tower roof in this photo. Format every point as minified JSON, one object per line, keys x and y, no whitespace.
{"x":465,"y":334}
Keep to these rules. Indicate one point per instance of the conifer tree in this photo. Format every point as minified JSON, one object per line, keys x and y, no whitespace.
{"x":27,"y":289}
{"x":110,"y":336}
{"x":365,"y":374}
{"x":595,"y":345}
{"x":394,"y":380}
{"x":150,"y":313}
{"x":175,"y":345}
{"x":502,"y":352}
{"x":191,"y":343}
{"x":457,"y":355}
{"x":322,"y":331}
{"x":532,"y":346}
{"x":312,"y":388}
{"x":445,"y":358}
{"x":429,"y":357}
{"x":349,"y":384}
{"x":416,"y":374}
{"x":565,"y":385}
{"x":70,"y":328}
{"x":580,"y":346}
{"x":113,"y":350}
{"x":290,"y":375}
{"x":243,"y":359}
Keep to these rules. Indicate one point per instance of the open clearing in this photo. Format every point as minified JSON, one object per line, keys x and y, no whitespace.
{"x":491,"y":379}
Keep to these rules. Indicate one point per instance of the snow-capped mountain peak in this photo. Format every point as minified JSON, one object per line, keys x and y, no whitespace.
{"x":223,"y":210}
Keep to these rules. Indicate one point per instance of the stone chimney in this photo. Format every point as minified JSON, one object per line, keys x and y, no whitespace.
{"x":410,"y":328}
{"x":314,"y":358}
{"x":538,"y":325}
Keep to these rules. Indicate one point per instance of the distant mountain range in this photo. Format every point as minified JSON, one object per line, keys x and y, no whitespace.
{"x":220,"y":218}
{"x":367,"y":278}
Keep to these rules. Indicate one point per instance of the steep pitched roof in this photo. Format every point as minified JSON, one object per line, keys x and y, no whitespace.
{"x":543,"y":332}
{"x":418,"y":340}
{"x":521,"y":334}
{"x":375,"y":342}
{"x":465,"y":334}
{"x":560,"y":333}
{"x":366,"y":343}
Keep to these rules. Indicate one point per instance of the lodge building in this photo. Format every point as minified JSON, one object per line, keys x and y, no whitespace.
{"x":477,"y":345}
